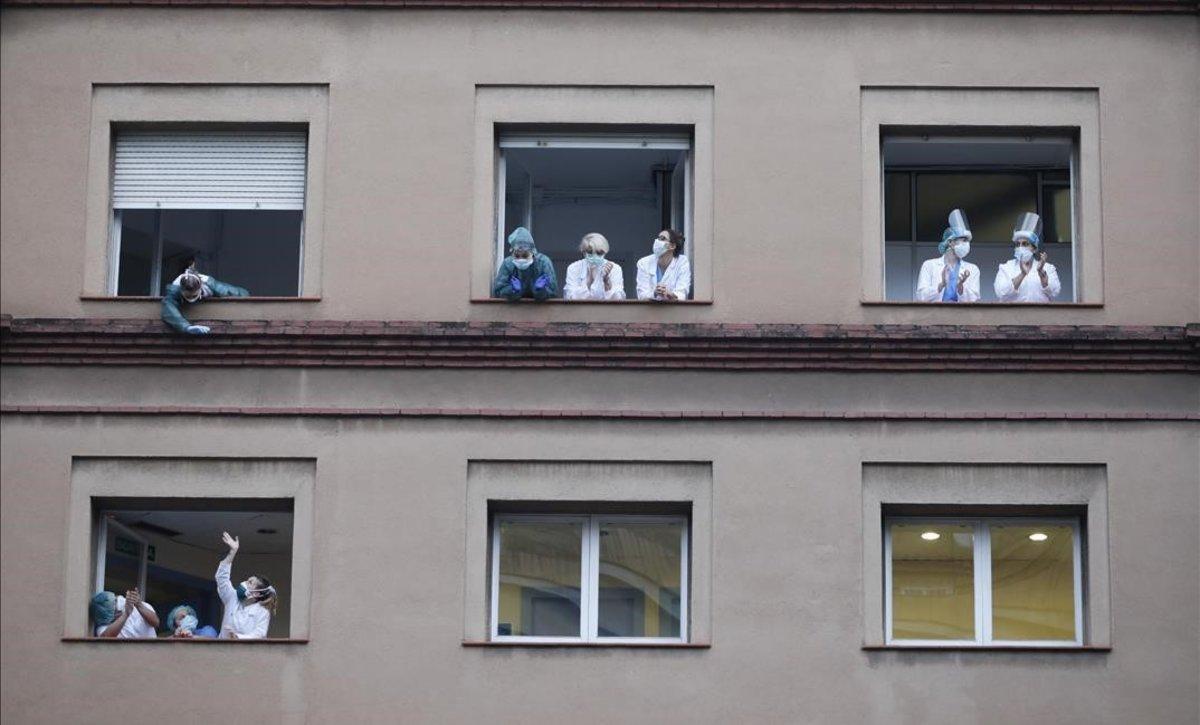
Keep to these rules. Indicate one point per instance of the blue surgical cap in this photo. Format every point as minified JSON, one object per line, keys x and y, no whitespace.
{"x":520,"y":239}
{"x":1032,"y":237}
{"x":104,"y":608}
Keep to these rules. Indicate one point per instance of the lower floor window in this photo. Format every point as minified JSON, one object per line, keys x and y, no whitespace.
{"x":983,"y":581}
{"x":589,"y":578}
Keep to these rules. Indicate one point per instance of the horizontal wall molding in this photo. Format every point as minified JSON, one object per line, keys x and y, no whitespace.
{"x":657,"y":415}
{"x":897,"y":6}
{"x":666,"y":346}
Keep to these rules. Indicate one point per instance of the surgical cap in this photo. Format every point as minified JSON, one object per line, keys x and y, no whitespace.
{"x":1031,"y":237}
{"x":104,"y":608}
{"x":520,"y":239}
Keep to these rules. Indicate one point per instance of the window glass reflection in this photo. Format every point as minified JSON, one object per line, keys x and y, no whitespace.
{"x":539,"y":579}
{"x":933,"y":581}
{"x":640,"y":565}
{"x":1033,"y":582}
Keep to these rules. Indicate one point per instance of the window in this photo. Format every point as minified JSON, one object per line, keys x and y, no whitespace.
{"x":994,"y":178}
{"x":983,"y":581}
{"x":169,"y":551}
{"x":589,"y":578}
{"x":627,"y":185}
{"x":232,"y":202}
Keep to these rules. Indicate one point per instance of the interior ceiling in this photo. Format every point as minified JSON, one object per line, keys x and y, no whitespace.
{"x":202,"y":529}
{"x":587,"y":168}
{"x":1034,"y":153}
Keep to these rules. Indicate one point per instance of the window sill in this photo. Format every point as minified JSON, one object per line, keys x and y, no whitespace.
{"x":591,"y":645}
{"x":969,"y":305}
{"x":190,"y":641}
{"x":151,"y":298}
{"x":985,"y":648}
{"x":560,"y":301}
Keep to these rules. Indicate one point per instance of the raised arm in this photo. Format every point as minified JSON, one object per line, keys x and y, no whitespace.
{"x":225,"y":588}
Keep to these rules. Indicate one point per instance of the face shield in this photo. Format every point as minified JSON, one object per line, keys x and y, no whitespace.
{"x":1027,"y":228}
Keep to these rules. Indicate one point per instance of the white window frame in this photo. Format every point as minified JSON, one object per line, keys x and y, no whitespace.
{"x":982,"y":567}
{"x":553,"y":140}
{"x":589,"y":577}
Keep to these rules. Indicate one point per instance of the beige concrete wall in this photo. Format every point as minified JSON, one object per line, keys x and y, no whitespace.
{"x":787,"y":589}
{"x":787,"y":197}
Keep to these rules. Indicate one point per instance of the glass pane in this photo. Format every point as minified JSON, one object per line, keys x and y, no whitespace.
{"x":992,"y":201}
{"x":539,"y":579}
{"x":258,"y":250}
{"x":897,"y":207}
{"x":933,"y":581}
{"x":1056,"y":213}
{"x":1033,"y":582}
{"x":122,"y":562}
{"x":640,"y":579}
{"x":138,"y":234}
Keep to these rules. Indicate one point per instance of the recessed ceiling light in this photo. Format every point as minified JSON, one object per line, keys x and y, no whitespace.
{"x":931,"y":536}
{"x":1038,"y":536}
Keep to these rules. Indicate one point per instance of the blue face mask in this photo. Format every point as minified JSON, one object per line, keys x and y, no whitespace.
{"x":241,"y":593}
{"x":189,"y":623}
{"x":595,"y":260}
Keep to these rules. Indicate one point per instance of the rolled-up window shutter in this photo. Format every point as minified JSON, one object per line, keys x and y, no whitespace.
{"x":209,"y":170}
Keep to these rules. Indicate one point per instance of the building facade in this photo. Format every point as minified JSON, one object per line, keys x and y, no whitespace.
{"x":795,"y":494}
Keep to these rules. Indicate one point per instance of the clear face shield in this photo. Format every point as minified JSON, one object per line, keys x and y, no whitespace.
{"x":1027,"y":228}
{"x":958,"y":225}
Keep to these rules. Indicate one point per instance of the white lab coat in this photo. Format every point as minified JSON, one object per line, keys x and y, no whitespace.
{"x":242,"y":620}
{"x":576,"y":287}
{"x":1031,"y":287}
{"x":677,"y":277}
{"x":931,"y":276}
{"x":135,"y":627}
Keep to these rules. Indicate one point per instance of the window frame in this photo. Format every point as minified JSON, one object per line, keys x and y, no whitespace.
{"x":982,"y":569}
{"x":589,"y":577}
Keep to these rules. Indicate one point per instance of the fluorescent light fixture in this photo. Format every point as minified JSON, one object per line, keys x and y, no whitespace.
{"x":1038,"y":536}
{"x":931,"y":536}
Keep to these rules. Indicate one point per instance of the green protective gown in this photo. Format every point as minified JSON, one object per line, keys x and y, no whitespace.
{"x":173,"y":300}
{"x":542,"y":265}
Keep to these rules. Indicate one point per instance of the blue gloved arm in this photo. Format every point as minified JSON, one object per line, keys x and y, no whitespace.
{"x":170,"y":310}
{"x":507,"y":284}
{"x":545,"y":285}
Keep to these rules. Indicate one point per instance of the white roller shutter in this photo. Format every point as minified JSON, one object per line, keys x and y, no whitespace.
{"x":209,"y":170}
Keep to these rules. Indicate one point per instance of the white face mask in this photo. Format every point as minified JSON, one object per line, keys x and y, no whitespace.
{"x":523,"y":263}
{"x":1023,"y":254}
{"x":962,"y":249}
{"x":660,"y":247}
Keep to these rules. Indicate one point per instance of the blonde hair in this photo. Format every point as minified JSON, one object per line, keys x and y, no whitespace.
{"x":596,"y":241}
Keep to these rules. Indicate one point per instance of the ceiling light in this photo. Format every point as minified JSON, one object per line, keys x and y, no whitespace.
{"x":931,"y":536}
{"x":1038,"y":536}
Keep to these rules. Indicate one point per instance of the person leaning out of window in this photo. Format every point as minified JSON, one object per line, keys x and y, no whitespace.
{"x":948,"y":278}
{"x":1028,"y":276}
{"x":525,"y":272}
{"x":664,"y":274}
{"x":123,"y":617}
{"x":594,"y":277}
{"x":191,"y":287}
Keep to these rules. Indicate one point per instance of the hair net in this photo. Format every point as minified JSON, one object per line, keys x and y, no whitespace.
{"x":104,"y":608}
{"x":521,"y":239}
{"x":175,"y":613}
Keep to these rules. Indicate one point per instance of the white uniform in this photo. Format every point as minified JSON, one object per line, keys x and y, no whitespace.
{"x":577,"y":288}
{"x":931,"y":276}
{"x":135,"y":627}
{"x":242,"y":620}
{"x":1031,"y":287}
{"x":677,"y":277}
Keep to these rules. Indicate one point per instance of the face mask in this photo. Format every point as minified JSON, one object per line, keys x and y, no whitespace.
{"x":523,"y":263}
{"x":1023,"y":254}
{"x":660,"y":247}
{"x":962,"y":249}
{"x":241,"y":592}
{"x":595,"y":259}
{"x":189,"y":623}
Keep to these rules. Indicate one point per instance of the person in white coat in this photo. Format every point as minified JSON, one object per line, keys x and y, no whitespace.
{"x":594,"y":277}
{"x":123,"y":617}
{"x":1018,"y":279}
{"x":948,"y":278}
{"x":249,"y":606}
{"x":665,"y":274}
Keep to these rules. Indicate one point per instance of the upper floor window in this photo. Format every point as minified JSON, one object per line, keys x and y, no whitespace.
{"x":231,"y":203}
{"x":626,"y":186}
{"x":953,"y":581}
{"x":995,"y":180}
{"x":590,"y":578}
